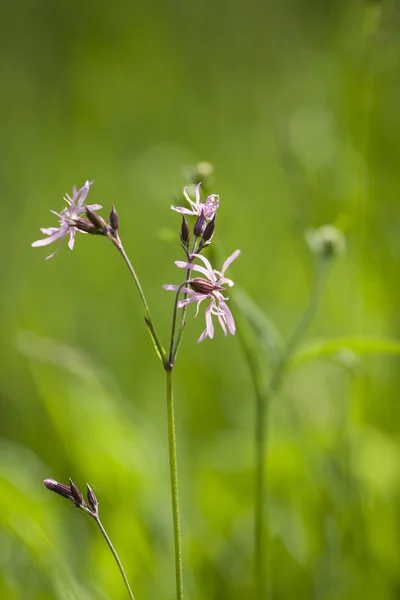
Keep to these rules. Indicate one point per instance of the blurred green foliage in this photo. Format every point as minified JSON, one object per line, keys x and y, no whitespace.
{"x":296,"y":103}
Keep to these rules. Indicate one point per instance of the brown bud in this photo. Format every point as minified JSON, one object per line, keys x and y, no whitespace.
{"x":185,"y":232}
{"x":114,"y":221}
{"x":92,"y":500}
{"x":98,"y":222}
{"x":76,"y":494}
{"x":85,"y":225}
{"x":209,"y":230}
{"x":199,"y":225}
{"x":203,"y":286}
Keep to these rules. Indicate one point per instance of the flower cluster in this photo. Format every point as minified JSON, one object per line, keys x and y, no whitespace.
{"x":212,"y":285}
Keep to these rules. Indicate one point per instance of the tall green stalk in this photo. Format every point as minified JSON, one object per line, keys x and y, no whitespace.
{"x":174,"y":484}
{"x":264,"y":393}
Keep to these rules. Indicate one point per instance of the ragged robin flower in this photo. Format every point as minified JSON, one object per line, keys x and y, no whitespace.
{"x":208,"y":208}
{"x":69,"y":219}
{"x":211,"y":287}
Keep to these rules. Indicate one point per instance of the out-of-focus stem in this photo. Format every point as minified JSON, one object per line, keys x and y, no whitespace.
{"x":264,"y":395}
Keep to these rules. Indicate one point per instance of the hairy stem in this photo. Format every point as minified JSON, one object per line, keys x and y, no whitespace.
{"x":174,"y":485}
{"x":115,"y":555}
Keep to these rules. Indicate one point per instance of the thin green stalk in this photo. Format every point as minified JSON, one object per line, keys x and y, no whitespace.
{"x":172,"y":354}
{"x":184,"y":309}
{"x":264,"y":396}
{"x":174,"y":485}
{"x":115,"y":555}
{"x":149,"y":321}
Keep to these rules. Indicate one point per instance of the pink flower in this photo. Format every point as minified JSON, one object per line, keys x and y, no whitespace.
{"x":208,"y":209}
{"x":68,"y":218}
{"x":211,"y":287}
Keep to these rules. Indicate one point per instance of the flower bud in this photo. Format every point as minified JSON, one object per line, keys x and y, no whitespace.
{"x":203,"y":286}
{"x":326,"y":241}
{"x":85,"y":226}
{"x":97,"y":221}
{"x":199,"y":225}
{"x":92,"y":500}
{"x":185,"y":232}
{"x":58,"y":488}
{"x":209,"y":230}
{"x":76,"y":494}
{"x":114,"y":221}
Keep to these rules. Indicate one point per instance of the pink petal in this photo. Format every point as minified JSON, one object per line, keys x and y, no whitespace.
{"x":210,"y":271}
{"x":229,"y":261}
{"x":185,"y":265}
{"x":209,"y":323}
{"x":192,"y":204}
{"x":229,"y":318}
{"x":71,"y":240}
{"x":52,"y":238}
{"x":49,"y":230}
{"x":183,"y":211}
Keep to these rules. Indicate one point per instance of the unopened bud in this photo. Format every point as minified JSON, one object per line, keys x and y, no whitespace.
{"x":114,"y":221}
{"x":209,"y":230}
{"x":58,"y":488}
{"x":185,"y":232}
{"x":326,"y":241}
{"x":92,"y":500}
{"x":199,"y":225}
{"x":97,"y":221}
{"x":85,"y":226}
{"x":76,"y":494}
{"x":203,"y":286}
{"x":202,"y":171}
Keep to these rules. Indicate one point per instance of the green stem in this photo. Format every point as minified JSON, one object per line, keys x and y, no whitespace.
{"x":149,"y":322}
{"x":184,"y":309}
{"x":115,"y":555}
{"x":172,"y":354}
{"x":264,"y":395}
{"x":174,"y":485}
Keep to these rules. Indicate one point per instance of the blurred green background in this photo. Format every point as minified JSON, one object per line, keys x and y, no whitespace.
{"x":296,"y":104}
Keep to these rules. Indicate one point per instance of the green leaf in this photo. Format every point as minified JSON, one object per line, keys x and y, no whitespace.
{"x":360,"y":345}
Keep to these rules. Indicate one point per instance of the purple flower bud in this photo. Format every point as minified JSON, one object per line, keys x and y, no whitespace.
{"x":209,"y":230}
{"x":58,"y":488}
{"x":114,"y":221}
{"x":76,"y":494}
{"x":185,"y":232}
{"x":92,"y":500}
{"x":199,"y":225}
{"x":97,"y":221}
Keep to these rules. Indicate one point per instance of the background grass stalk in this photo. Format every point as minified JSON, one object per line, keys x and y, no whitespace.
{"x":264,"y":395}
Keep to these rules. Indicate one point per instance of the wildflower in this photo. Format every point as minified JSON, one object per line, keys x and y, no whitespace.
{"x":208,"y":209}
{"x":69,"y":219}
{"x":210,"y":286}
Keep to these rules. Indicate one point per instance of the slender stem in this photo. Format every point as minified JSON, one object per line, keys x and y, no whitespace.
{"x":264,"y":395}
{"x":115,"y":555}
{"x":183,"y":316}
{"x":149,"y":322}
{"x":172,"y":355}
{"x":174,"y":485}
